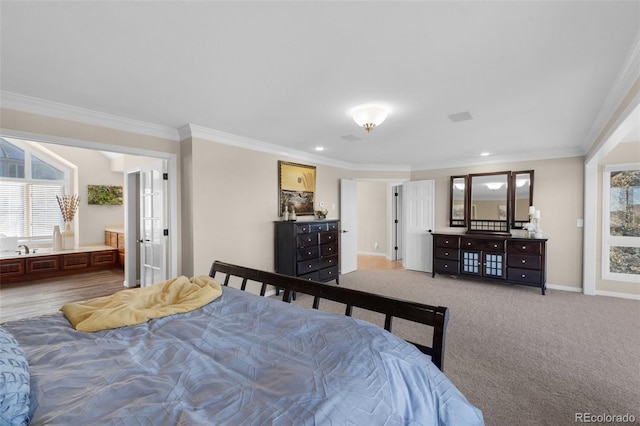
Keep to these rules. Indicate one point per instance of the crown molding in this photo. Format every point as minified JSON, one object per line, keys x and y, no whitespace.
{"x":200,"y":132}
{"x":628,"y":76}
{"x":469,"y":162}
{"x":14,"y":101}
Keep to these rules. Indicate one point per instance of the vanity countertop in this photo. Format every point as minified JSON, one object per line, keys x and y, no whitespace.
{"x":49,"y":252}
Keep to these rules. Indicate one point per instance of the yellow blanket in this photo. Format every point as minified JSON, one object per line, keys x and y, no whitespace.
{"x":136,"y":306}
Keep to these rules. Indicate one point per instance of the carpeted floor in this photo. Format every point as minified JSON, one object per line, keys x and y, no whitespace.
{"x":521,"y":357}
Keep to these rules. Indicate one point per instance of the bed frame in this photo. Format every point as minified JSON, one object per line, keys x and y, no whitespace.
{"x":434,"y":316}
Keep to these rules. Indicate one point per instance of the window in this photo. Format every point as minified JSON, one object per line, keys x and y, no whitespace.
{"x":621,"y":223}
{"x":29,"y":183}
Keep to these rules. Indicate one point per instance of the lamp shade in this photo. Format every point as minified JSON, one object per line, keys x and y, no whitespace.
{"x":369,"y":115}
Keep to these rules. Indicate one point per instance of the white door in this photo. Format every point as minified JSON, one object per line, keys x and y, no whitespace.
{"x":348,"y":226}
{"x":153,"y":241}
{"x":418,"y":211}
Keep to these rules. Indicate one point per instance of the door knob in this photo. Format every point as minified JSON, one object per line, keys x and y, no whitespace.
{"x":344,"y":231}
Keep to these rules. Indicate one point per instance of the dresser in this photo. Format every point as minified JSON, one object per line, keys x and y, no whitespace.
{"x":509,"y":259}
{"x":308,"y":250}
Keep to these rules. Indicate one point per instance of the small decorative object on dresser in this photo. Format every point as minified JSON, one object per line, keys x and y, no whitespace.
{"x":509,"y":259}
{"x":307,"y":249}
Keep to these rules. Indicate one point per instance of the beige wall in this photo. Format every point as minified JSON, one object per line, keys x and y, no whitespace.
{"x":234,"y":194}
{"x":624,"y":153}
{"x":373,"y":217}
{"x":558,"y":194}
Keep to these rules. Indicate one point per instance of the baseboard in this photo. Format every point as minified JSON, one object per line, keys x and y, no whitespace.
{"x":564,"y":288}
{"x":598,"y":292}
{"x":617,"y":294}
{"x":375,"y":253}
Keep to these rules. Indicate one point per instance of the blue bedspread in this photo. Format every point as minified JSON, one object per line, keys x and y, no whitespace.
{"x":240,"y":360}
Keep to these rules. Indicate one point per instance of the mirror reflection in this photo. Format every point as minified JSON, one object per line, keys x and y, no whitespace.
{"x":522,"y":197}
{"x":458,"y":188}
{"x":489,"y":197}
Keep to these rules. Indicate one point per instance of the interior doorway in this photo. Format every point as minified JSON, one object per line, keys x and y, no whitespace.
{"x":171,"y":165}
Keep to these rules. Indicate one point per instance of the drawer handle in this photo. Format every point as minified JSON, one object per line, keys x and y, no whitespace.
{"x":330,"y":249}
{"x":309,"y":266}
{"x":309,"y":239}
{"x":524,"y":275}
{"x":468,"y":244}
{"x":446,"y":241}
{"x":446,"y":266}
{"x":330,"y":272}
{"x":524,"y":261}
{"x":308,"y":252}
{"x":446,"y":253}
{"x":524,"y":247}
{"x":330,"y":260}
{"x":495,"y":246}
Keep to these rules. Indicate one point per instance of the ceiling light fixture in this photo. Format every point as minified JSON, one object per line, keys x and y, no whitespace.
{"x":494,"y":185}
{"x":369,"y":115}
{"x":319,"y":148}
{"x":484,"y":154}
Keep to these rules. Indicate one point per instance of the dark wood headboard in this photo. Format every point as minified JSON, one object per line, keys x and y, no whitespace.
{"x":434,"y":316}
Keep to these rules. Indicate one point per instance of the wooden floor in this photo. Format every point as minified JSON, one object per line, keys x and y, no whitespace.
{"x":22,"y":300}
{"x":366,"y":261}
{"x":46,"y":296}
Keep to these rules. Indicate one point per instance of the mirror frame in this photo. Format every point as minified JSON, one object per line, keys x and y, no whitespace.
{"x":504,"y":226}
{"x":455,"y":222}
{"x":518,"y":224}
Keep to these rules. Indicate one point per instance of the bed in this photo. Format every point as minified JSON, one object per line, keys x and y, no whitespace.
{"x":240,"y":359}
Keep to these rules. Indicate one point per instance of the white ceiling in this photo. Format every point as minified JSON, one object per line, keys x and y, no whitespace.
{"x":533,"y":75}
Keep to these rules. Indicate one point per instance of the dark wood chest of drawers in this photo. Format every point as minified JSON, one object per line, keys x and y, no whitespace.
{"x":308,"y":249}
{"x":514,"y":260}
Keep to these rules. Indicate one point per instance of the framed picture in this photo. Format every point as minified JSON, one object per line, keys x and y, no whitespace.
{"x":502,"y":212}
{"x":104,"y":195}
{"x":296,"y":187}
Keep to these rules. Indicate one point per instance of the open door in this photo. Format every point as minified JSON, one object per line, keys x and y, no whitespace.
{"x":418,"y":212}
{"x":348,"y":226}
{"x":153,"y":228}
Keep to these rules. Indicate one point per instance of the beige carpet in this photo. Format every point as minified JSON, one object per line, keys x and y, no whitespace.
{"x":523,"y":358}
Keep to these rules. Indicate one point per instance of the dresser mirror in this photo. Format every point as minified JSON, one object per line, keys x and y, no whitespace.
{"x":457,"y":217}
{"x":491,"y":203}
{"x":522,"y":186}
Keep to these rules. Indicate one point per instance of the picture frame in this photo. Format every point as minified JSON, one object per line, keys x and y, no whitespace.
{"x":296,"y":188}
{"x":502,"y":212}
{"x":104,"y":195}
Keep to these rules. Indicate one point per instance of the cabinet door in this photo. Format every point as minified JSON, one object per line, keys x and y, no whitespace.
{"x":493,"y":265}
{"x":75,"y":261}
{"x":470,"y":263}
{"x":12,"y":267}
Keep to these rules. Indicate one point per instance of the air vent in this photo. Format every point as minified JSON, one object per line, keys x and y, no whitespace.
{"x":351,"y":138}
{"x":460,"y":116}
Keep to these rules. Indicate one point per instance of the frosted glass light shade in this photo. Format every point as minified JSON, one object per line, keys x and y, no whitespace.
{"x":369,"y":115}
{"x":494,"y":185}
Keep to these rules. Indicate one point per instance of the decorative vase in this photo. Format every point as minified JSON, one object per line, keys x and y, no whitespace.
{"x":68,"y":237}
{"x":57,"y":239}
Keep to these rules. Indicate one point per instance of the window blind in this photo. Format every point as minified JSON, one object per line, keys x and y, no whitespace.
{"x":29,"y":210}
